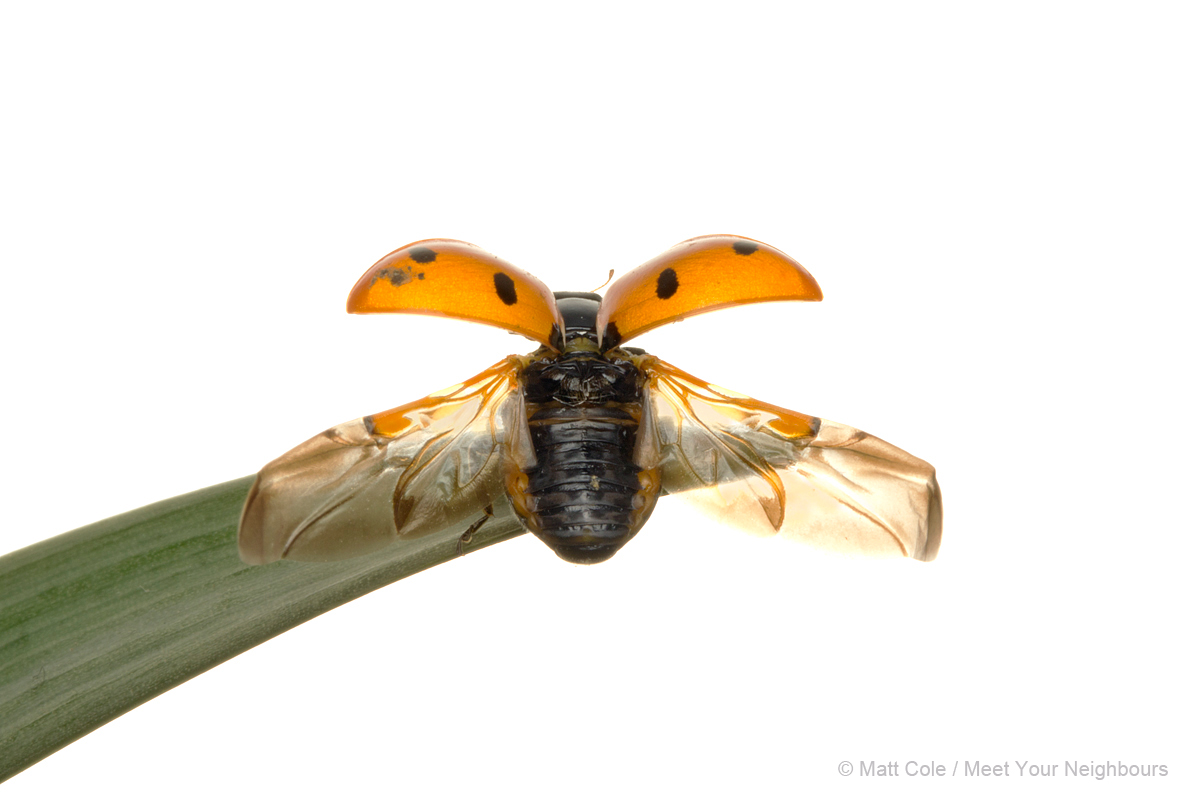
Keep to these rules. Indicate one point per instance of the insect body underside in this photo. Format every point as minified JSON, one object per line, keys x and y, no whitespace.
{"x":586,"y":497}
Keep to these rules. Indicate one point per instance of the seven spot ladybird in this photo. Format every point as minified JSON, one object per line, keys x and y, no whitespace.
{"x":583,"y":435}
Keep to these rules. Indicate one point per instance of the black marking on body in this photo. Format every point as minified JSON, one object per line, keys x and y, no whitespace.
{"x":422,"y":255}
{"x":398,"y":276}
{"x":744,"y":248}
{"x":505,"y":288}
{"x":668,"y":283}
{"x":420,"y":276}
{"x":612,"y":337}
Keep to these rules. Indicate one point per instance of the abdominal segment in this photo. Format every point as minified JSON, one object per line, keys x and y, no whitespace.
{"x":585,"y":498}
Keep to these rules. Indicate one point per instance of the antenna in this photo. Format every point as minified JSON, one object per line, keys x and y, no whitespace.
{"x":606,"y":282}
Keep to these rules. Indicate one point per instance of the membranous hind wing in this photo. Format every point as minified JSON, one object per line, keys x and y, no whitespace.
{"x":421,"y":468}
{"x":772,"y":471}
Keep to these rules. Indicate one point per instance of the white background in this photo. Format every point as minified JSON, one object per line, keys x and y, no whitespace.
{"x":999,"y":201}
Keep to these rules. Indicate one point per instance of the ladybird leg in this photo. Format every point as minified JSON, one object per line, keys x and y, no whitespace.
{"x":516,"y":486}
{"x":647,"y":496}
{"x":465,"y":539}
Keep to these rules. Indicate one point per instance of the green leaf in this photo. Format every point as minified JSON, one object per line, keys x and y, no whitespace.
{"x":101,"y":619}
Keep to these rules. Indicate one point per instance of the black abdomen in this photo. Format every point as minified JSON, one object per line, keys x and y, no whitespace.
{"x":584,"y":495}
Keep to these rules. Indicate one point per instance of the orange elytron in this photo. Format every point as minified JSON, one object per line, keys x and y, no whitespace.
{"x":583,"y":435}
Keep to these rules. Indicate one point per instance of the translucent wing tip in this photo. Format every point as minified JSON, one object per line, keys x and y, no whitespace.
{"x":933,"y":523}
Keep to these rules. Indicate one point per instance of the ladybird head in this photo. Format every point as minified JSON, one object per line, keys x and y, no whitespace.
{"x":578,"y":310}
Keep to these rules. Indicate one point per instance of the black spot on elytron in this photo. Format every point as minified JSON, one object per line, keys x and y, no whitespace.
{"x":505,"y":288}
{"x":668,"y":283}
{"x":422,"y":255}
{"x":397,"y":276}
{"x":612,"y":337}
{"x":744,"y":248}
{"x":420,"y":276}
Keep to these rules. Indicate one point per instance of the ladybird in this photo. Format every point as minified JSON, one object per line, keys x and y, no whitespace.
{"x":583,"y":435}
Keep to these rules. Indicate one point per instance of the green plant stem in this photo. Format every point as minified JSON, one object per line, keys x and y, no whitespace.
{"x":99,"y":620}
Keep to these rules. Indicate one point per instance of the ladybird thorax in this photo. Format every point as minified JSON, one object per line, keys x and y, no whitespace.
{"x":580,"y":375}
{"x":581,"y":379}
